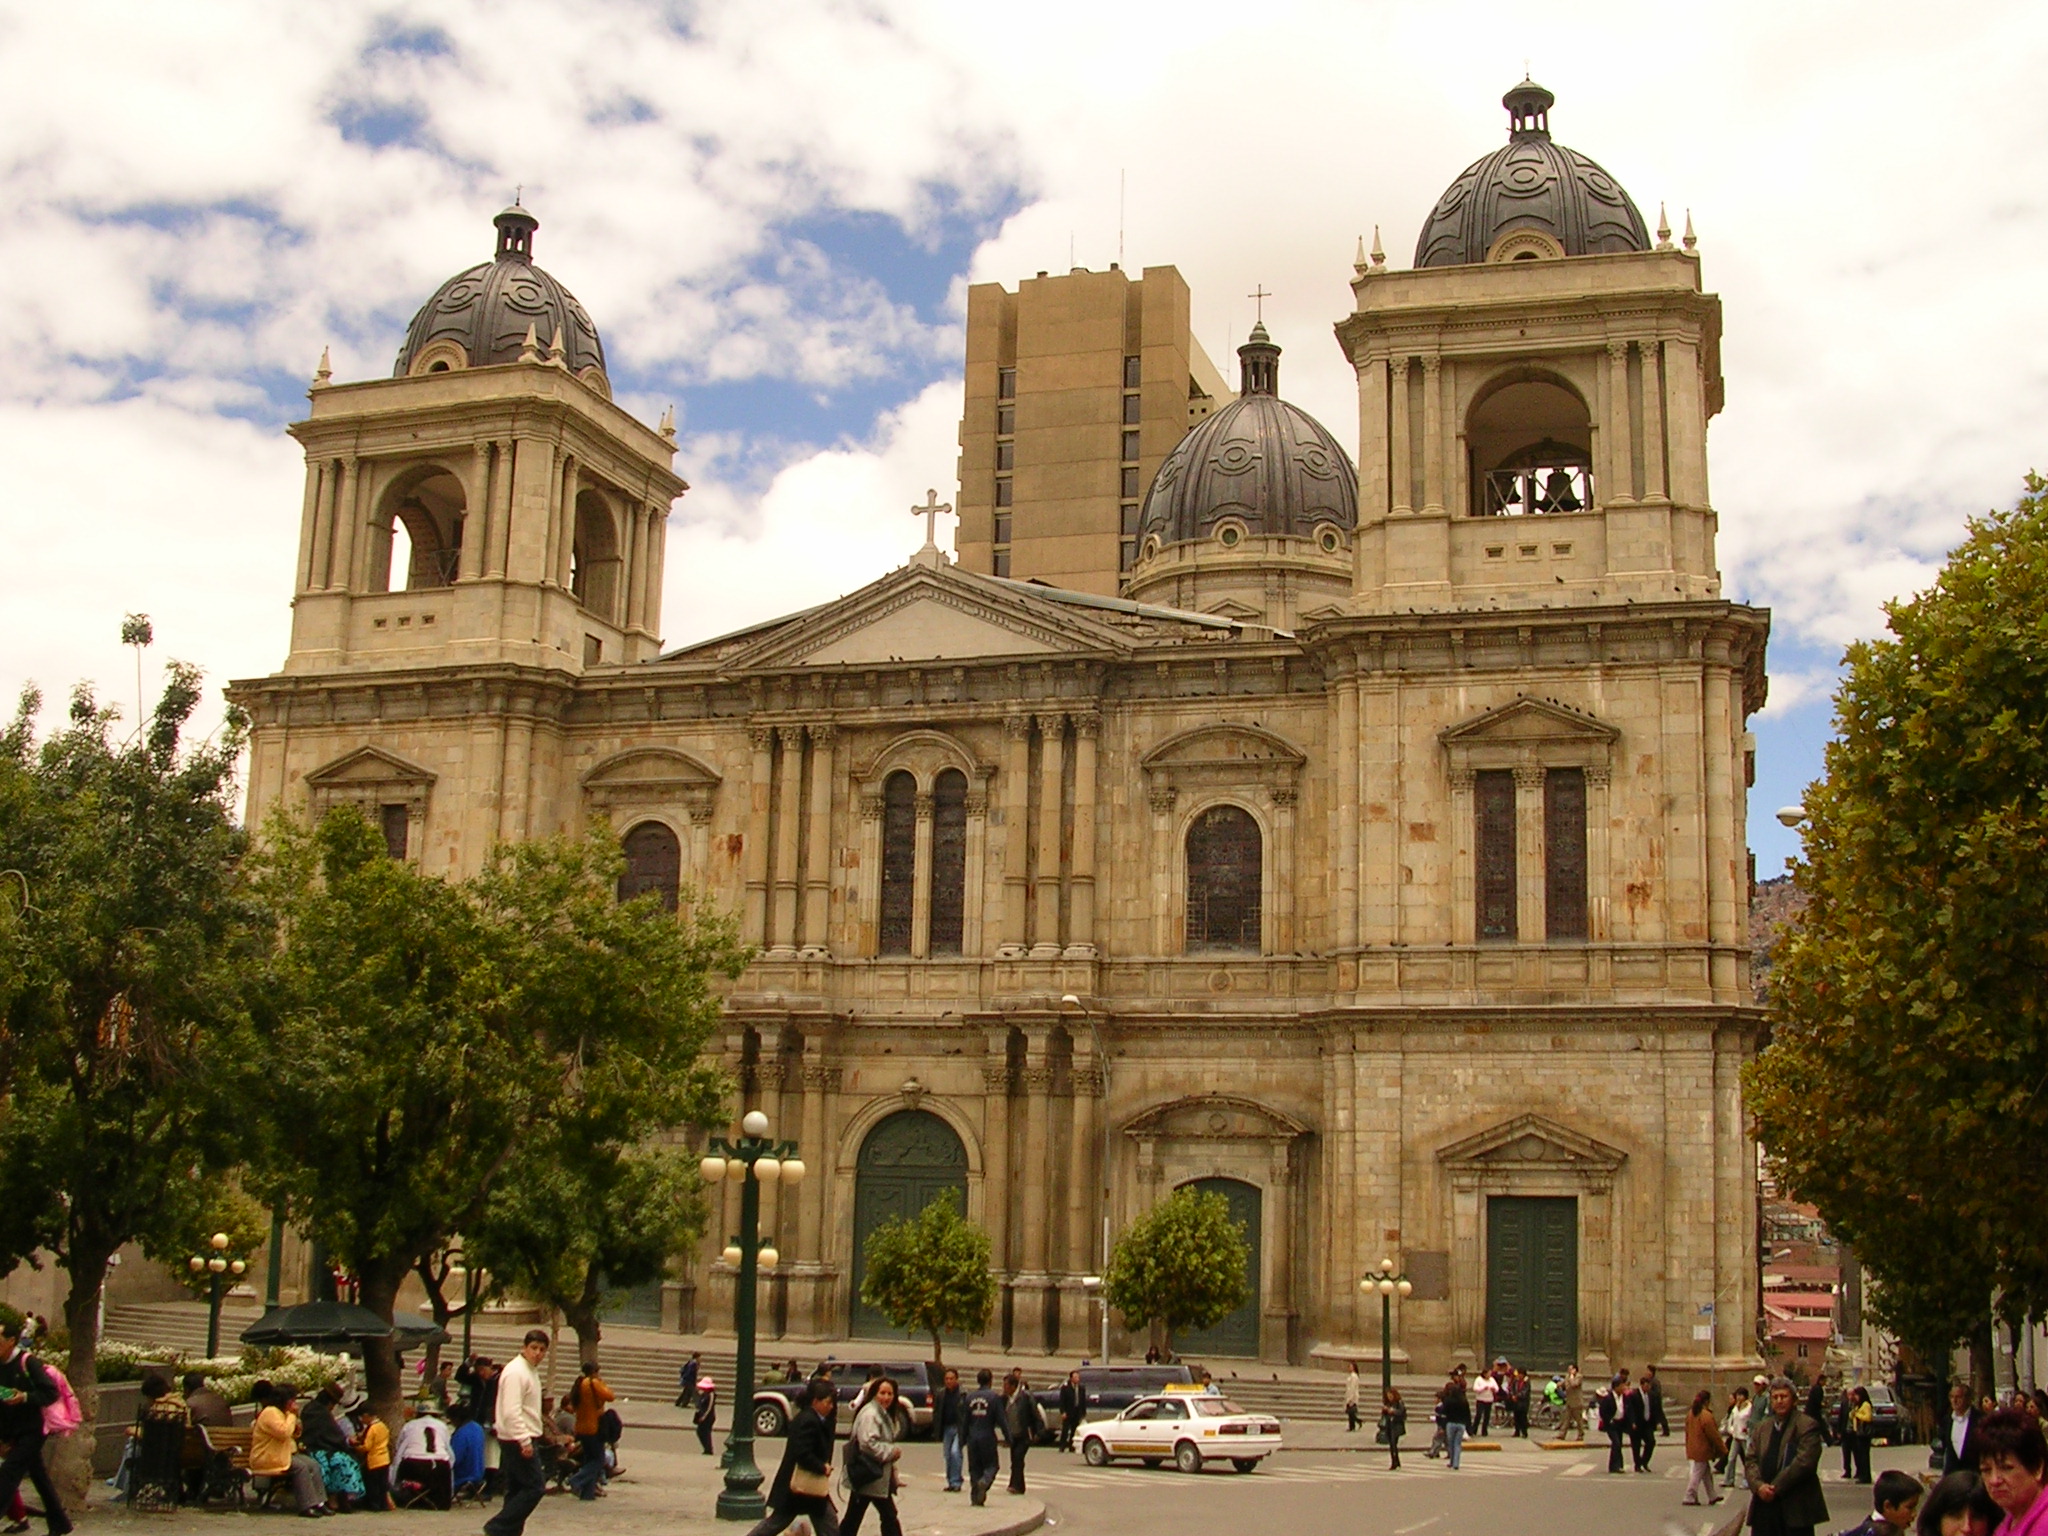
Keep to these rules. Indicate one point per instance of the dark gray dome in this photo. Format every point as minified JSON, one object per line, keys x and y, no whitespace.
{"x":1530,"y":183}
{"x":1267,"y":463}
{"x":488,"y":309}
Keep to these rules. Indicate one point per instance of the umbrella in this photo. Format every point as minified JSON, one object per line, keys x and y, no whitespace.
{"x":419,"y":1332}
{"x":318,"y":1322}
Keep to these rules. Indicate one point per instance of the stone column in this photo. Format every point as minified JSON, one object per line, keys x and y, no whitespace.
{"x":500,"y":534}
{"x":921,"y":880}
{"x":810,"y":1277}
{"x":995,"y":1163}
{"x":1599,"y":871}
{"x":1016,"y":808}
{"x":632,"y":577}
{"x":1164,"y":941}
{"x":787,"y":813}
{"x":971,"y":930}
{"x":476,"y":515}
{"x":1686,"y":424}
{"x":1400,"y":442}
{"x":657,"y":560}
{"x":761,"y":792}
{"x":565,"y":524}
{"x":1621,"y":473}
{"x":1464,"y":857}
{"x":1282,"y":941}
{"x":1081,"y":908}
{"x":1345,"y":931}
{"x":1653,"y":422}
{"x":1277,"y":1326}
{"x":342,"y":570}
{"x":311,"y":530}
{"x":1373,"y":500}
{"x":1084,"y":1182}
{"x":1529,"y":885}
{"x":1432,"y":434}
{"x":1046,"y":875}
{"x":818,"y":853}
{"x":1028,"y":1316}
{"x":870,"y":873}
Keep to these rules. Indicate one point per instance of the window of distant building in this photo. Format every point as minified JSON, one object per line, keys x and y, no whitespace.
{"x":1002,"y":493}
{"x":1494,"y":801}
{"x":949,"y":861}
{"x":1130,"y":482}
{"x":654,"y":862}
{"x":1225,"y":879}
{"x":1564,"y":854}
{"x":1130,"y":445}
{"x":1006,"y":383}
{"x":1131,"y":409}
{"x":1133,"y":372}
{"x":899,"y":861}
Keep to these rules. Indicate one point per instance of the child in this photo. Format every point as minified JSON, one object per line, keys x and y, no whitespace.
{"x":375,"y":1444}
{"x":1897,"y":1497}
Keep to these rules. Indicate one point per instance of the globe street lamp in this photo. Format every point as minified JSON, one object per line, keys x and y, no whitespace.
{"x":1389,"y":1285}
{"x":756,"y":1159}
{"x":213,"y":1265}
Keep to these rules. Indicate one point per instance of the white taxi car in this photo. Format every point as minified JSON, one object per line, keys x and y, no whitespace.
{"x":1193,"y":1428}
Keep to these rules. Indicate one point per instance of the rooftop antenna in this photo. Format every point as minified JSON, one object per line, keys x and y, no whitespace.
{"x":517,"y":193}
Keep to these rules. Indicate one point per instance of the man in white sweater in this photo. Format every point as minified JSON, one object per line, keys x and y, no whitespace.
{"x":520,"y":1430}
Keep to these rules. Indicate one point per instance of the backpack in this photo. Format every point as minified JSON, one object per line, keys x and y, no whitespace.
{"x":64,"y":1415}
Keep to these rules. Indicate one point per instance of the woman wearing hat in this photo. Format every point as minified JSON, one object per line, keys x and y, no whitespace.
{"x":706,"y":1418}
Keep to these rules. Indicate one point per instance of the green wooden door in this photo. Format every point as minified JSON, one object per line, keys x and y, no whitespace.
{"x":906,"y":1163}
{"x":1532,"y":1280}
{"x":1237,"y":1334}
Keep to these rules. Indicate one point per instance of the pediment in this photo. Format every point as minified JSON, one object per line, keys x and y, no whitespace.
{"x":1227,"y":743}
{"x":368,"y":766}
{"x":1214,"y":1117}
{"x":1231,"y":608}
{"x":652,"y":776}
{"x":1532,"y":1143}
{"x":1530,"y":722}
{"x":923,"y":614}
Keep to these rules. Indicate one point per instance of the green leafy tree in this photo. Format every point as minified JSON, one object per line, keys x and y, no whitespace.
{"x":416,"y":1035}
{"x":125,"y":918}
{"x":930,"y":1272}
{"x":1184,"y":1264}
{"x":1902,"y":1092}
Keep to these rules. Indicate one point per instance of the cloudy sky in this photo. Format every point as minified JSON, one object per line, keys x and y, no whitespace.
{"x":772,"y":211}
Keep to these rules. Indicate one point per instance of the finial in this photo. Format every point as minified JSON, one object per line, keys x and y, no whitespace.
{"x":668,"y":424}
{"x":324,"y":374}
{"x":1663,"y":229}
{"x":1691,"y":240}
{"x":529,"y":349}
{"x":1379,"y":254}
{"x":1259,"y":296}
{"x":1358,"y":261}
{"x":558,"y":353}
{"x":518,"y":192}
{"x":929,"y":554}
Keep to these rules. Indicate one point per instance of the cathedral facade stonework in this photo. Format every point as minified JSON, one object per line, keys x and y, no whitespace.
{"x":1376,"y":860}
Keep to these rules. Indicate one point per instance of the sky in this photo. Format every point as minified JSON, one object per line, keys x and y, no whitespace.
{"x":772,"y":210}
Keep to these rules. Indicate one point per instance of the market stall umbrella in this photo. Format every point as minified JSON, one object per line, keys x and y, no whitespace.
{"x":419,"y":1332}
{"x":330,"y":1323}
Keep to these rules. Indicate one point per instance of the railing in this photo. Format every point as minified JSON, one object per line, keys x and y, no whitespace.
{"x":1545,"y":488}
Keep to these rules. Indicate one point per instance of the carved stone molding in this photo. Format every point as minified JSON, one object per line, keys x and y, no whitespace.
{"x":822,"y":1079}
{"x":1017,"y":727}
{"x":1037,"y":1079}
{"x":997,"y":1080}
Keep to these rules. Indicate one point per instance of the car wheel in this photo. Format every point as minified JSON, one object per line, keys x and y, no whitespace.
{"x":1245,"y":1463}
{"x":1187,"y":1457}
{"x":769,"y":1420}
{"x":1095,"y":1453}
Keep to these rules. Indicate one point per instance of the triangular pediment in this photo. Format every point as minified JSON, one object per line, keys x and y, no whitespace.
{"x":368,"y":765}
{"x":1528,"y":722}
{"x":1231,"y":608}
{"x":923,"y":613}
{"x":1532,"y":1143}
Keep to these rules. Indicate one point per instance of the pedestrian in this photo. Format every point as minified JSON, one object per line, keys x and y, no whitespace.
{"x":949,"y":1413}
{"x":1635,"y":1419}
{"x":1704,"y":1446}
{"x":1436,"y":1427}
{"x":1484,"y":1391}
{"x":705,"y":1415}
{"x":1351,"y":1400}
{"x":1783,"y":1466}
{"x":521,"y":1433}
{"x":1859,"y":1420}
{"x":1959,"y":1432}
{"x":803,"y":1483}
{"x":1735,"y":1430}
{"x":1574,"y":1404}
{"x":1518,"y":1402}
{"x":871,"y":1457}
{"x":479,"y":1378}
{"x":1026,"y":1422}
{"x":1393,"y":1423}
{"x":466,"y":1453}
{"x":986,"y":1420}
{"x":588,"y":1396}
{"x":687,"y":1379}
{"x":373,"y":1444}
{"x":1612,"y":1422}
{"x":1457,"y":1411}
{"x":1947,"y":1508}
{"x":1073,"y":1408}
{"x":1895,"y":1502}
{"x":1653,"y":1395}
{"x":2013,"y":1459}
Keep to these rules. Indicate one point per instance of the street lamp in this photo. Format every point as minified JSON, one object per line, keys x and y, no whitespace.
{"x":1389,"y":1285}
{"x":1093,"y":1285}
{"x":213,"y":1265}
{"x":756,"y":1159}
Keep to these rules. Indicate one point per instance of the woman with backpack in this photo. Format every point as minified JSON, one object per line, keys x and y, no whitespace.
{"x":27,"y":1389}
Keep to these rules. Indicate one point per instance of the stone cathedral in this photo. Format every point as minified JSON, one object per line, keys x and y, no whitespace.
{"x":1374,"y":858}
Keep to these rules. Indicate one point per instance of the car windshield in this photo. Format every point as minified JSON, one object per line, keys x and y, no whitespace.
{"x":1216,"y":1407}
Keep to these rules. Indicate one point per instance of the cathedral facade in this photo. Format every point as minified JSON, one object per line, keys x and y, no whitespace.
{"x":1375,"y":859}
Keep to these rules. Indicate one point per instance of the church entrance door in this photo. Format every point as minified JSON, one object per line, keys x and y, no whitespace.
{"x":1238,"y":1333}
{"x":907,"y":1162}
{"x":1532,"y":1280}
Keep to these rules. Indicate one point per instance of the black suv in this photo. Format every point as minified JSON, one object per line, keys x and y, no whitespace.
{"x":1110,"y":1388}
{"x":777,"y":1402}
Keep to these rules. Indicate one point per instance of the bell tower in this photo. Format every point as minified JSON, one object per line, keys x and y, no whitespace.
{"x":488,"y":503}
{"x":1534,"y":394}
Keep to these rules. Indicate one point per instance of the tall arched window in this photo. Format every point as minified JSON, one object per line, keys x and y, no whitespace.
{"x":1224,"y":880}
{"x":899,"y":861}
{"x":949,"y":861}
{"x":654,"y":862}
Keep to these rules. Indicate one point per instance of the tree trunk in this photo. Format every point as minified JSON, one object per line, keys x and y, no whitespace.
{"x":581,"y":1315}
{"x":71,"y":1457}
{"x":938,"y":1351}
{"x":1981,"y":1377}
{"x":383,"y":1377}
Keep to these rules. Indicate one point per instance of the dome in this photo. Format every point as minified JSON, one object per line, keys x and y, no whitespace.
{"x":481,"y":316}
{"x":1567,"y":205}
{"x":1268,"y":464}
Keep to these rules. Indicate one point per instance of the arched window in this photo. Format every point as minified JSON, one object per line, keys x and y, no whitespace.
{"x":899,"y":861}
{"x":654,"y":862}
{"x":1224,"y":880}
{"x":949,"y":861}
{"x":416,"y":540}
{"x":1531,"y":443}
{"x":594,"y":556}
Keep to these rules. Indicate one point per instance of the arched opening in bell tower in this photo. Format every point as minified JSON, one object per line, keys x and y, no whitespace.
{"x":594,"y":557}
{"x":416,"y":535}
{"x":1530,"y":440}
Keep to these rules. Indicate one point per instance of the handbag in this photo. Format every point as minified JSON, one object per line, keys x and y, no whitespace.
{"x":808,"y":1484}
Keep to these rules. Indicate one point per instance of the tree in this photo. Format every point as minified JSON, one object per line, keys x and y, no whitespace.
{"x":930,"y":1272}
{"x":1181,"y":1265}
{"x":1902,"y":1092}
{"x":125,"y":920}
{"x":437,"y":1029}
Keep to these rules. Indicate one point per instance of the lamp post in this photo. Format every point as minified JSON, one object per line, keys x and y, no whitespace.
{"x":756,"y":1159}
{"x":1092,"y":1284}
{"x":1389,"y":1285}
{"x":213,"y":1265}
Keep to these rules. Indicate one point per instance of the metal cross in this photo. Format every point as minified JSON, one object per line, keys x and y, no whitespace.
{"x":1259,"y":296}
{"x":930,"y":513}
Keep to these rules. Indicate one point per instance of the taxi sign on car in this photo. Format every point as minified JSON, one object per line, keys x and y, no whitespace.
{"x":1190,"y":1428}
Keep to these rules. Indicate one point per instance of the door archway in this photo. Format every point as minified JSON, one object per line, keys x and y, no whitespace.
{"x":906,"y":1162}
{"x":1238,"y":1333}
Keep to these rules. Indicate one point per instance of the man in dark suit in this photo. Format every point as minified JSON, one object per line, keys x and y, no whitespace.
{"x":808,"y":1450}
{"x":1073,"y":1408}
{"x":1635,"y":1423}
{"x":1783,"y":1467}
{"x":1956,"y":1432}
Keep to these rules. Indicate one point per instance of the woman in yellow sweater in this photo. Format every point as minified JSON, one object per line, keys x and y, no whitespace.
{"x":374,"y":1446}
{"x":274,"y":1453}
